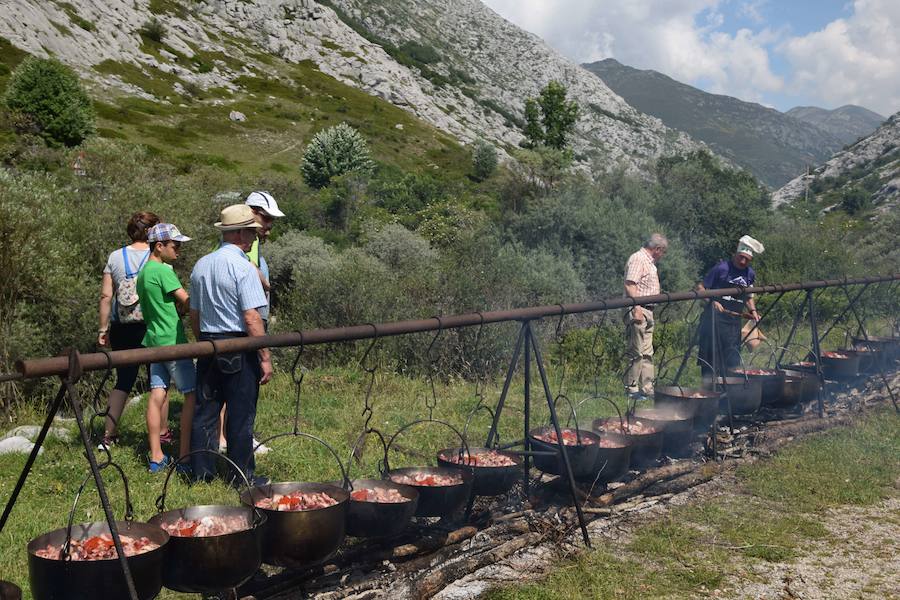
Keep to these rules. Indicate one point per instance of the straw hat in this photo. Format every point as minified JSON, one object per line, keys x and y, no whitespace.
{"x":237,"y":216}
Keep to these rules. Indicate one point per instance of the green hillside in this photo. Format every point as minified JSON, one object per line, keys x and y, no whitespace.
{"x":774,"y":147}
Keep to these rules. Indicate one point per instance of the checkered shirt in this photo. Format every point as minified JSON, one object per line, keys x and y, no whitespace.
{"x":224,"y":284}
{"x":641,"y":269}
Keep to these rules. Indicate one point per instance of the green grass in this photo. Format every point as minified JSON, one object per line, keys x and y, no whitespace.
{"x":772,"y":517}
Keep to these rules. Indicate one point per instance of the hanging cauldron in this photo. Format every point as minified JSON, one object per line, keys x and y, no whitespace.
{"x":442,"y":490}
{"x":378,"y":508}
{"x":839,"y":365}
{"x":869,"y":358}
{"x":210,"y":563}
{"x":702,"y":405}
{"x":646,"y":440}
{"x":744,"y":394}
{"x":770,"y":381}
{"x":370,"y":517}
{"x":58,"y":578}
{"x":889,"y":345}
{"x":678,"y":428}
{"x":809,"y":382}
{"x":582,"y":448}
{"x":96,"y":579}
{"x":297,"y":536}
{"x":495,"y":471}
{"x":10,"y":591}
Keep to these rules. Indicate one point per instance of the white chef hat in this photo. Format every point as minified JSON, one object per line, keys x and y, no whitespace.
{"x":749,"y":246}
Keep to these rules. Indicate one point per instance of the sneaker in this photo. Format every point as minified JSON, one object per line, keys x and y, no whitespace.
{"x":157,"y":467}
{"x":108,"y":441}
{"x":259,"y":481}
{"x":259,"y":449}
{"x":639,"y":396}
{"x":167,"y":437}
{"x":184,"y":468}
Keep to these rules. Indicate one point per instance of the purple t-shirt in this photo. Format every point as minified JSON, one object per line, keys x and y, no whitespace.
{"x":726,"y":275}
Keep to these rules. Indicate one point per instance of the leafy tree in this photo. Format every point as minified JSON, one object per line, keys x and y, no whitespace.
{"x":153,"y":29}
{"x":855,"y":200}
{"x":484,"y":160}
{"x":47,"y":95}
{"x":557,"y":117}
{"x":709,"y":204}
{"x":332,"y":152}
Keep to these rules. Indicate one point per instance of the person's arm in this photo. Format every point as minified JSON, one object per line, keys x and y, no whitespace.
{"x":105,"y":309}
{"x":715,"y":303}
{"x":751,"y":304}
{"x":195,"y":323}
{"x":182,"y":301}
{"x":255,"y":327}
{"x":637,"y":313}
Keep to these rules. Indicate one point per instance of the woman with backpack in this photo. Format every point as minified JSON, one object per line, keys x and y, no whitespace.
{"x":121,"y":320}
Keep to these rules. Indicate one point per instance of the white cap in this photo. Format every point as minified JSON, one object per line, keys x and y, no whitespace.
{"x":265,"y":202}
{"x":749,"y":246}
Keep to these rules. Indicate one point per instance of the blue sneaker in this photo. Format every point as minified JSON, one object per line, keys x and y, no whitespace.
{"x":157,"y":467}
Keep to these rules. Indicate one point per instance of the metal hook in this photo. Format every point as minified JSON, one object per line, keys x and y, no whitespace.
{"x":431,"y":403}
{"x":367,"y":407}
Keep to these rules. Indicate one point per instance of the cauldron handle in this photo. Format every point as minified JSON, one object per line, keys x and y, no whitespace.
{"x":161,"y":499}
{"x":347,"y":484}
{"x":490,"y":411}
{"x":309,"y":436}
{"x":622,"y":422}
{"x":387,"y":448}
{"x":129,"y":509}
{"x":572,"y":413}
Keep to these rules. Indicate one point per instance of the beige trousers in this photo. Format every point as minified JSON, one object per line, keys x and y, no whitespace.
{"x":639,"y":353}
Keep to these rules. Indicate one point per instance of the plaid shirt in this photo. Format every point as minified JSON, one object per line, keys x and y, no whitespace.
{"x":224,"y":284}
{"x":641,"y":269}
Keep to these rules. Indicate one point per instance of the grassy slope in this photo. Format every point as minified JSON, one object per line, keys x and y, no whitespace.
{"x":284,"y":110}
{"x":774,"y":515}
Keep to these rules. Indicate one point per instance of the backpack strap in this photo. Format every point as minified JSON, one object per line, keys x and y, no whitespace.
{"x":128,"y":272}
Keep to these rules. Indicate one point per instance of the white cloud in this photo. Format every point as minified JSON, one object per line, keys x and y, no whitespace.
{"x":851,"y":61}
{"x":677,"y":37}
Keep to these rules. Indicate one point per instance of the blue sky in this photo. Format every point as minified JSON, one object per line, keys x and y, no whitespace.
{"x":781,"y":53}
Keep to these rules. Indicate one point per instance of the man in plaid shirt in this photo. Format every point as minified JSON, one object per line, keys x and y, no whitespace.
{"x":641,"y":279}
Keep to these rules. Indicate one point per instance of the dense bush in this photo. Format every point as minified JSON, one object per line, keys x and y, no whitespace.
{"x":153,"y":29}
{"x":484,"y":160}
{"x":50,"y":99}
{"x":332,"y":152}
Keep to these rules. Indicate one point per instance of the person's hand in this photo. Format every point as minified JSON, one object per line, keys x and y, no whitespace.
{"x":755,"y":315}
{"x":266,"y":365}
{"x":718,"y":306}
{"x":103,"y":339}
{"x":637,"y":315}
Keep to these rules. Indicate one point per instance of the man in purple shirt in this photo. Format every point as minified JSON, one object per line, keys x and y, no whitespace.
{"x":724,"y":347}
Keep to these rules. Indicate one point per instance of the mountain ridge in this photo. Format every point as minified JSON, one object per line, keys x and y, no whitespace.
{"x":215,"y":45}
{"x":848,"y":123}
{"x":774,"y":147}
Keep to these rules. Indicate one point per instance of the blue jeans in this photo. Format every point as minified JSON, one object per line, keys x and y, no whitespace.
{"x":231,"y":380}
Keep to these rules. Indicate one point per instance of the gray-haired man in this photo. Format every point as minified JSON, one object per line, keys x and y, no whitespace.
{"x":641,"y":279}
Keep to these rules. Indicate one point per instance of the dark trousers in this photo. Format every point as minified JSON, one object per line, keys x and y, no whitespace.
{"x":727,"y":339}
{"x":231,"y":380}
{"x":126,"y":336}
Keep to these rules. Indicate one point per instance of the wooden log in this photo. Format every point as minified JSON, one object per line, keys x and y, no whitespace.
{"x":644,"y":481}
{"x":429,"y":585}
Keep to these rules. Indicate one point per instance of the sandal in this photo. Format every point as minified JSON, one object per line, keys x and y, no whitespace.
{"x":108,"y":441}
{"x":166,"y":438}
{"x":162,"y":465}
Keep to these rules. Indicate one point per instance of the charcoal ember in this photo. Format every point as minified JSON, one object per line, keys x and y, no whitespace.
{"x":296,"y":501}
{"x":490,"y":458}
{"x":384,"y":495}
{"x":208,"y":526}
{"x":427,"y":479}
{"x":570,"y":438}
{"x":99,"y":547}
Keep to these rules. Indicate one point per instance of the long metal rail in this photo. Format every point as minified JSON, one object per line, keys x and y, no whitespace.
{"x":45,"y":367}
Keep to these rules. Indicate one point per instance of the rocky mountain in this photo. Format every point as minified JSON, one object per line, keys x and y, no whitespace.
{"x":455,"y":65}
{"x":865,"y":174}
{"x":848,"y":123}
{"x":771,"y":145}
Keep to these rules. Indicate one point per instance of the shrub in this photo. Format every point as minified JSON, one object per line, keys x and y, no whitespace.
{"x":332,"y":152}
{"x":154,"y":29}
{"x":484,"y":160}
{"x":49,"y":96}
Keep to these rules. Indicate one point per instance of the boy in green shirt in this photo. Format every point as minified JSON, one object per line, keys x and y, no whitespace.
{"x":163,"y":300}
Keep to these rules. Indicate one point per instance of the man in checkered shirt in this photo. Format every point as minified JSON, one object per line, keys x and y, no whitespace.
{"x":641,"y":279}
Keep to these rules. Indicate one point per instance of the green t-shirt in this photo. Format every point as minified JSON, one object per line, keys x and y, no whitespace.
{"x":155,"y":285}
{"x":253,"y":255}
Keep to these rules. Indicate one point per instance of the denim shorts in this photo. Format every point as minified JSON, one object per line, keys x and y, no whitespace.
{"x":182,"y":371}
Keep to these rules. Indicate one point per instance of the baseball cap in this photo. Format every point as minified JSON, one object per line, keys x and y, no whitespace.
{"x":164,"y":232}
{"x":265,"y":202}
